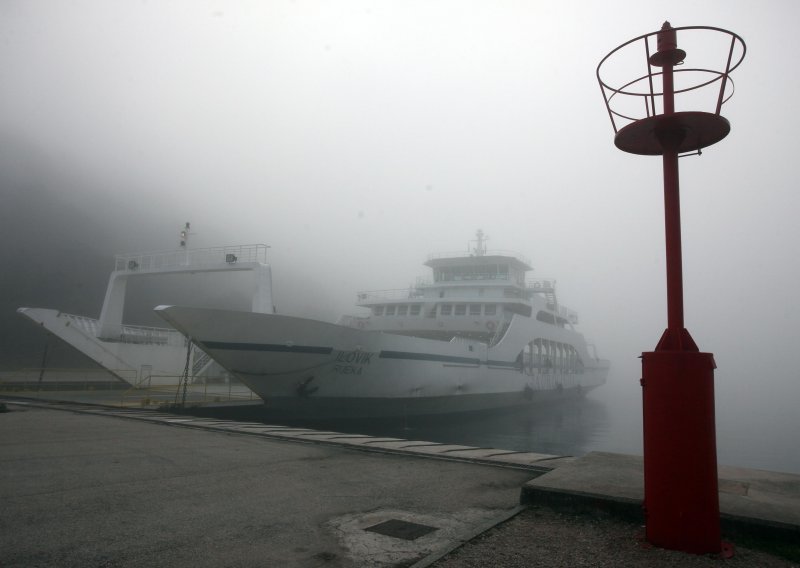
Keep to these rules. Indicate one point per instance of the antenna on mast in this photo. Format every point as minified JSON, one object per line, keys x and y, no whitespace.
{"x":185,"y":235}
{"x":480,"y":246}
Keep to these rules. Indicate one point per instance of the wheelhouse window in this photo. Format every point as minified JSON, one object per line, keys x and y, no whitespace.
{"x":377,"y":310}
{"x":446,"y":309}
{"x":474,"y":309}
{"x":415,"y":309}
{"x":461,"y":309}
{"x":390,"y":310}
{"x":402,"y":310}
{"x":490,"y":309}
{"x":471,"y":272}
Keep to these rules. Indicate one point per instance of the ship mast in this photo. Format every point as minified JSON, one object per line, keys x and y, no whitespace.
{"x":185,"y":235}
{"x":185,"y":242}
{"x":480,"y":246}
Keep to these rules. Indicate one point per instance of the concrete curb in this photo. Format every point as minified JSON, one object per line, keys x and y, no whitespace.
{"x":753,"y":503}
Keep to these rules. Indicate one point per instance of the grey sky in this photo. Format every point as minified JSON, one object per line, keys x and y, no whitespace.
{"x":356,"y":137}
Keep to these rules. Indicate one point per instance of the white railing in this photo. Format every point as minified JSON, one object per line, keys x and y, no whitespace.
{"x":89,"y":325}
{"x":544,"y":285}
{"x":396,"y":294}
{"x":131,"y":333}
{"x":569,"y":315}
{"x":462,"y":254}
{"x":160,"y":260}
{"x":152,"y":336}
{"x":201,"y":359}
{"x":548,"y":286}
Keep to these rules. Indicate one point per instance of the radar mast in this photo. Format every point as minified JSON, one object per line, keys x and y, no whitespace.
{"x":185,"y":235}
{"x":480,"y":243}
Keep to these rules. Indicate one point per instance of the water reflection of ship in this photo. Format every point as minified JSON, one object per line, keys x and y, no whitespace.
{"x":570,"y":428}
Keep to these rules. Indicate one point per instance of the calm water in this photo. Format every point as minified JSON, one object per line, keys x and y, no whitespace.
{"x":571,"y":428}
{"x":608,"y":419}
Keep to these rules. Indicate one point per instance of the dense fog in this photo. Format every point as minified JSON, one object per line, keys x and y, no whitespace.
{"x":355,"y":138}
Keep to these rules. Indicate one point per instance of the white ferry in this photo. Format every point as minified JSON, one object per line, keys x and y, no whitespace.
{"x":478,"y":336}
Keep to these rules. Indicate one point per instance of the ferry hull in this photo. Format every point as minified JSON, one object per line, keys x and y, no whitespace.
{"x":308,"y":368}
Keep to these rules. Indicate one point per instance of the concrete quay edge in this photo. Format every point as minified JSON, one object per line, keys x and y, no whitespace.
{"x":532,"y":462}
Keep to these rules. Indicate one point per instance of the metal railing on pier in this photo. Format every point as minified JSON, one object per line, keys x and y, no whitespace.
{"x":52,"y":379}
{"x":168,"y":391}
{"x":106,"y":388}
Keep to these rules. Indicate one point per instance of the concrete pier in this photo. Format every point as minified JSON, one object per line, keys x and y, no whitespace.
{"x":82,"y":487}
{"x":88,"y":485}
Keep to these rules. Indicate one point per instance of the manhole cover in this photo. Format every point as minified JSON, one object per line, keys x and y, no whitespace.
{"x":401,"y":529}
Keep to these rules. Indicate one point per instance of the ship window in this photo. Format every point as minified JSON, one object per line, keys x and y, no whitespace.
{"x":490,"y":309}
{"x":389,"y":310}
{"x":377,"y":310}
{"x":474,"y":309}
{"x":446,"y":309}
{"x":445,"y":274}
{"x":546,"y":317}
{"x":402,"y":310}
{"x":415,"y":309}
{"x":461,"y":309}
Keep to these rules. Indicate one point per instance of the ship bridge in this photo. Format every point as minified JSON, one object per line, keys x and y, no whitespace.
{"x":495,"y":267}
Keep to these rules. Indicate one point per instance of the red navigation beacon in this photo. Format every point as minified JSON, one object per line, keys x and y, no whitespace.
{"x":680,"y":456}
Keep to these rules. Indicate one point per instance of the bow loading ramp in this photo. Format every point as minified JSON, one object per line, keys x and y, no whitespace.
{"x":148,"y":356}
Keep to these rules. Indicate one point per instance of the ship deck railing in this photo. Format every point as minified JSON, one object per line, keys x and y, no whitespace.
{"x":496,"y":252}
{"x":141,"y":334}
{"x":393,"y":294}
{"x":163,"y":260}
{"x":146,"y":335}
{"x":543,"y":285}
{"x":90,"y":325}
{"x":113,"y":387}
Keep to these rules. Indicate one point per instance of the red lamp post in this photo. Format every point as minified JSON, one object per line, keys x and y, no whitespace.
{"x":680,"y":456}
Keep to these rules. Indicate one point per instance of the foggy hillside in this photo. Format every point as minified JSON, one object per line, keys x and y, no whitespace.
{"x":60,"y":235}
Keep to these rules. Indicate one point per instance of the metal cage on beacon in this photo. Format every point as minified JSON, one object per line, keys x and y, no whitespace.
{"x":638,"y":108}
